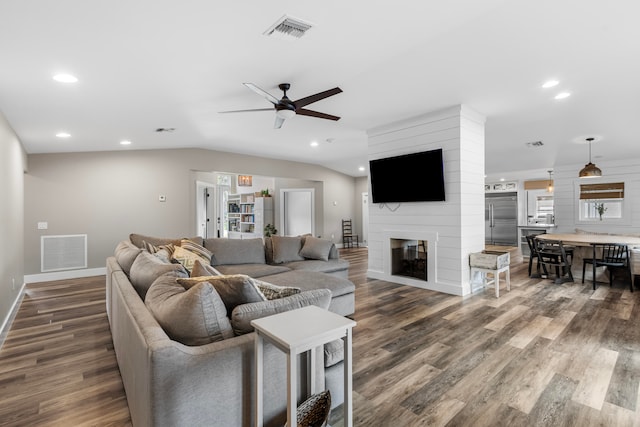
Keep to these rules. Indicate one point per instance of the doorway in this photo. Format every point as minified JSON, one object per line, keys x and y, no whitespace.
{"x":206,"y":210}
{"x":297,"y":206}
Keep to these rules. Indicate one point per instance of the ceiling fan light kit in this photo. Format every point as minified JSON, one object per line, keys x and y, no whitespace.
{"x":286,"y":108}
{"x":590,"y":170}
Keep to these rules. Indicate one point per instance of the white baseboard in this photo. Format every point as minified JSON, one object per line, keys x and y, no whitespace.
{"x":6,"y":324}
{"x":62,"y":275}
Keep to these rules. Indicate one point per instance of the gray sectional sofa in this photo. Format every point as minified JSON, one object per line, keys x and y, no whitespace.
{"x":170,"y":383}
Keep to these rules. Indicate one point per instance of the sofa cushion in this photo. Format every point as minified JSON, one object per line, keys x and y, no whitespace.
{"x":194,"y":316}
{"x":202,"y":269}
{"x":252,"y":270}
{"x":234,"y":289}
{"x":139,"y":239}
{"x":333,"y":352}
{"x":242,"y":315}
{"x":147,"y":268}
{"x":307,"y":280}
{"x":286,"y":249}
{"x":126,"y":253}
{"x":317,"y":265}
{"x":235,"y":251}
{"x":315,"y":248}
{"x":271,"y":291}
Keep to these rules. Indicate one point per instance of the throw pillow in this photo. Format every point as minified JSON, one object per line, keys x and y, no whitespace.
{"x":315,"y":248}
{"x":194,"y":316}
{"x":333,"y":352}
{"x":235,"y":289}
{"x":147,"y":268}
{"x":202,"y":269}
{"x":126,"y":253}
{"x":186,"y":258}
{"x":271,"y":291}
{"x":243,"y":314}
{"x":197,"y":249}
{"x":138,"y":239}
{"x":286,"y":249}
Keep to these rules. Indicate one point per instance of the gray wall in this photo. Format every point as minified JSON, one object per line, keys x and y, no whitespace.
{"x":13,"y":163}
{"x":108,"y":195}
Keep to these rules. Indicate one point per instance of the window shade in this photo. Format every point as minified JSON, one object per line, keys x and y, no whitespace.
{"x":611,"y":190}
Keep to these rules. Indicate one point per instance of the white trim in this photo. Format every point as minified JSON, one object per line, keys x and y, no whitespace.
{"x":62,"y":275}
{"x":6,"y":323}
{"x":283,"y":210}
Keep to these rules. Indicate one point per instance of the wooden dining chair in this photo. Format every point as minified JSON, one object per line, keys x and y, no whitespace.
{"x":552,"y":256}
{"x":533,"y":254}
{"x":611,"y":255}
{"x":348,"y":238}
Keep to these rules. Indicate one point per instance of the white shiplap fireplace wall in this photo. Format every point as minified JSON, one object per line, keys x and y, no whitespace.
{"x":454,"y":228}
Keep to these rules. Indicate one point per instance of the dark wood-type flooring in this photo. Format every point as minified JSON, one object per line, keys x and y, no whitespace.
{"x":540,"y":355}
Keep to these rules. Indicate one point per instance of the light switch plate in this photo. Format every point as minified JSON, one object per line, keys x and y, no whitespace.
{"x":43,"y":225}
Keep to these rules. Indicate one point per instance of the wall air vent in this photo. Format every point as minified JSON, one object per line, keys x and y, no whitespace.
{"x":63,"y":252}
{"x":288,"y":26}
{"x":534,"y":144}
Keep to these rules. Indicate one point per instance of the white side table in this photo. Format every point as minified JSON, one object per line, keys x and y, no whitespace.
{"x":296,"y":332}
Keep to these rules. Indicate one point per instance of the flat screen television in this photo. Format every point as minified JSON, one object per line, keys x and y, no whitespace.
{"x":416,"y":177}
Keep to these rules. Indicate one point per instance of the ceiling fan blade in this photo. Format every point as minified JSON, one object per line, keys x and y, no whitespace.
{"x":278,"y":123}
{"x":272,"y":99}
{"x":311,"y":113}
{"x":246,"y":111}
{"x":317,"y":97}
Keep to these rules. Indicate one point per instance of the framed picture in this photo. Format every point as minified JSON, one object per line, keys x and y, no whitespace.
{"x":245,"y":180}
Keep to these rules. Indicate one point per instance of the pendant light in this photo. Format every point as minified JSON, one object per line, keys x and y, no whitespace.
{"x":550,"y":186}
{"x":590,"y":170}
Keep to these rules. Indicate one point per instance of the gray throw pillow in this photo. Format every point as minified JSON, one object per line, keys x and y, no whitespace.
{"x":315,"y":248}
{"x":194,"y":316}
{"x":202,"y":269}
{"x":147,"y":268}
{"x":235,"y":289}
{"x":333,"y":352}
{"x":242,"y":315}
{"x":286,"y":249}
{"x":126,"y":253}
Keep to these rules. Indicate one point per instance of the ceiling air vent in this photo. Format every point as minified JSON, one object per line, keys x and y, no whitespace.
{"x":288,"y":26}
{"x":534,"y":144}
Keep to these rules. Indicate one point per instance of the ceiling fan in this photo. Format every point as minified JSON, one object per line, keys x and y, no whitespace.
{"x":286,"y":108}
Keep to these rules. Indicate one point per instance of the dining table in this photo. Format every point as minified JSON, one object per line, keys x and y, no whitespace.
{"x":583,"y":249}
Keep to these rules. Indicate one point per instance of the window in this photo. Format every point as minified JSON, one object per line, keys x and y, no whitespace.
{"x":603,"y":201}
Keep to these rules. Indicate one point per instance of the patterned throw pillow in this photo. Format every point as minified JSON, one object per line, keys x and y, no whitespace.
{"x":197,"y":249}
{"x":271,"y":291}
{"x":186,"y":258}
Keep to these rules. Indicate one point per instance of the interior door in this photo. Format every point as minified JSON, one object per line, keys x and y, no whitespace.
{"x":297,"y":207}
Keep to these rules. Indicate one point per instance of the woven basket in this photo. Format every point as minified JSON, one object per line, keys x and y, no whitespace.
{"x":314,"y":412}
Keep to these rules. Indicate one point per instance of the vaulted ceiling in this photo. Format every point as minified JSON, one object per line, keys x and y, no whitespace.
{"x":143,"y":65}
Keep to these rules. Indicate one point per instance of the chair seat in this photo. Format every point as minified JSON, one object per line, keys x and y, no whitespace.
{"x":611,"y":256}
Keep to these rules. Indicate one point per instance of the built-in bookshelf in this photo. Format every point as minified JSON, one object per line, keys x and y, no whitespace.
{"x":247,"y":215}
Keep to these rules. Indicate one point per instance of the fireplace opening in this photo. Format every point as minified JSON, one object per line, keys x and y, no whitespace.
{"x":409,"y":258}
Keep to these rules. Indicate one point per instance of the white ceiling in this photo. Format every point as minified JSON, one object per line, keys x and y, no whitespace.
{"x":145,"y":64}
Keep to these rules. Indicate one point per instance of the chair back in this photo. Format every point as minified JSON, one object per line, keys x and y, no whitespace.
{"x":531,"y":241}
{"x":551,"y":252}
{"x":613,"y":254}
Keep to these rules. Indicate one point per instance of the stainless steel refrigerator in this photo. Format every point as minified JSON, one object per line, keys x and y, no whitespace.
{"x":501,"y":219}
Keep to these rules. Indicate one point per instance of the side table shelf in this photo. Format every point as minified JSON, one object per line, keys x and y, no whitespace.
{"x":299,"y":331}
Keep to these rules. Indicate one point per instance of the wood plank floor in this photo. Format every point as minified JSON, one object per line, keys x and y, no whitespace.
{"x":541,"y":355}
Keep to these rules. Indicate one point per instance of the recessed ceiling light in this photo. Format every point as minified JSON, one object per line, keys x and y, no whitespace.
{"x":314,"y":143}
{"x":550,"y":83}
{"x":501,"y":179}
{"x":562,"y":95}
{"x":65,"y":78}
{"x":361,"y":168}
{"x":125,"y":142}
{"x":63,"y":135}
